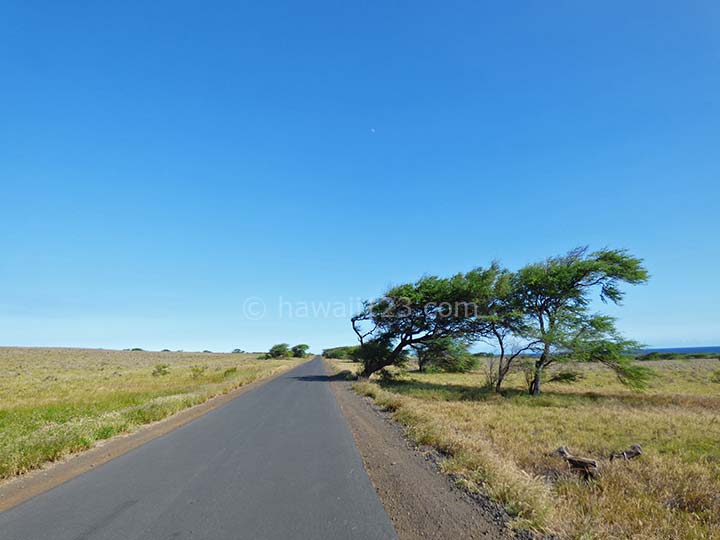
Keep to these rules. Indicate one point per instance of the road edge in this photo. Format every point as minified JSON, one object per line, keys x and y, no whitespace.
{"x":421,"y":501}
{"x":18,"y":489}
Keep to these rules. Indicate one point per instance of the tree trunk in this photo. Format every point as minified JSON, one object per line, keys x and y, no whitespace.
{"x":501,"y":371}
{"x":539,"y":365}
{"x":501,"y":376}
{"x":535,"y":386}
{"x":371,"y":366}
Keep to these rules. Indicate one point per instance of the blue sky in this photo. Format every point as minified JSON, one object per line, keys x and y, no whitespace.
{"x":163,"y":162}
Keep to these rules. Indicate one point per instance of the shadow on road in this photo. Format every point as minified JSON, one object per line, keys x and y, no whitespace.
{"x":342,"y":376}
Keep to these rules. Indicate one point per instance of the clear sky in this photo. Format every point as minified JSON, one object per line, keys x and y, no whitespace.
{"x":166,"y":166}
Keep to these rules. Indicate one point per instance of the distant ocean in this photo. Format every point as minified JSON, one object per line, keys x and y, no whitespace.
{"x":683,"y":350}
{"x":676,"y":350}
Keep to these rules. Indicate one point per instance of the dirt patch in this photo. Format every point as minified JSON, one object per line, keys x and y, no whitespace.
{"x":16,"y":490}
{"x":421,"y":501}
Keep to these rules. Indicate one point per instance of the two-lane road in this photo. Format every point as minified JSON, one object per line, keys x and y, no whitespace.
{"x":276,"y":463}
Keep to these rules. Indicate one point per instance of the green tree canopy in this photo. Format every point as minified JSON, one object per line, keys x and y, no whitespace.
{"x":543,"y":308}
{"x":554,"y":296}
{"x":412,"y":314}
{"x":445,"y":354}
{"x":281,"y":350}
{"x":346,"y":351}
{"x":300,"y":351}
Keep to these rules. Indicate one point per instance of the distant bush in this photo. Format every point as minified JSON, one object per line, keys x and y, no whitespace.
{"x":197,"y":371}
{"x":674,"y":356}
{"x":300,"y":351}
{"x":165,"y":350}
{"x":281,"y":350}
{"x":347,"y":352}
{"x":160,"y":370}
{"x":206,"y":351}
{"x":238,"y":351}
{"x":136,"y":349}
{"x":656,"y":356}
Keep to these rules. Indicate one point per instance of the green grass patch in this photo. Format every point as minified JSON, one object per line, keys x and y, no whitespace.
{"x":501,"y":444}
{"x":56,"y":402}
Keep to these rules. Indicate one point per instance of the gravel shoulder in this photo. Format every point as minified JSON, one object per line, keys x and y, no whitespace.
{"x":421,"y":501}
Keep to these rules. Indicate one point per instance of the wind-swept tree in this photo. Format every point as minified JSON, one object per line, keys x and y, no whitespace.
{"x":408,"y":315}
{"x":554,"y":296}
{"x":499,"y":319}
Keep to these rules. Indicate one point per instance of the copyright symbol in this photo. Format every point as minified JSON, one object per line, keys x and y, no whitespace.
{"x":254,"y":308}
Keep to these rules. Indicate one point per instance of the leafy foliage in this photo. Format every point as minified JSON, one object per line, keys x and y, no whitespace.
{"x":281,"y":350}
{"x":300,"y":351}
{"x":374,"y":354}
{"x":412,"y":314}
{"x":342,"y":353}
{"x":445,"y":354}
{"x":543,"y":308}
{"x":555,"y":295}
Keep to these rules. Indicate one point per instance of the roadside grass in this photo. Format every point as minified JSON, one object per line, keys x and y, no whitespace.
{"x":54,"y":402}
{"x":501,"y":445}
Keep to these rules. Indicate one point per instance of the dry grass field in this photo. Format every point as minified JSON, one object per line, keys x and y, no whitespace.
{"x":57,"y":401}
{"x":502,"y":445}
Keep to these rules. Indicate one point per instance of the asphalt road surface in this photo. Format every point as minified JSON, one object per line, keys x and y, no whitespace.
{"x":276,"y":463}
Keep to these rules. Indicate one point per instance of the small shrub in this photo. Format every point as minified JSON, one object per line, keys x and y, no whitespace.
{"x":715,"y":376}
{"x":238,"y":351}
{"x":160,"y":370}
{"x":490,"y":370}
{"x":136,"y":349}
{"x":345,"y":375}
{"x":528,"y":370}
{"x":230,"y":372}
{"x":197,"y":371}
{"x":567,"y":376}
{"x":386,"y":375}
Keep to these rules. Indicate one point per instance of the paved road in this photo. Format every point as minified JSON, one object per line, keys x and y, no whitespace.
{"x":276,"y":463}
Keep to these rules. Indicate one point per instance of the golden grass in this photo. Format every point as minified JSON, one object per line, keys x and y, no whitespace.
{"x":500,"y":444}
{"x":57,"y":401}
